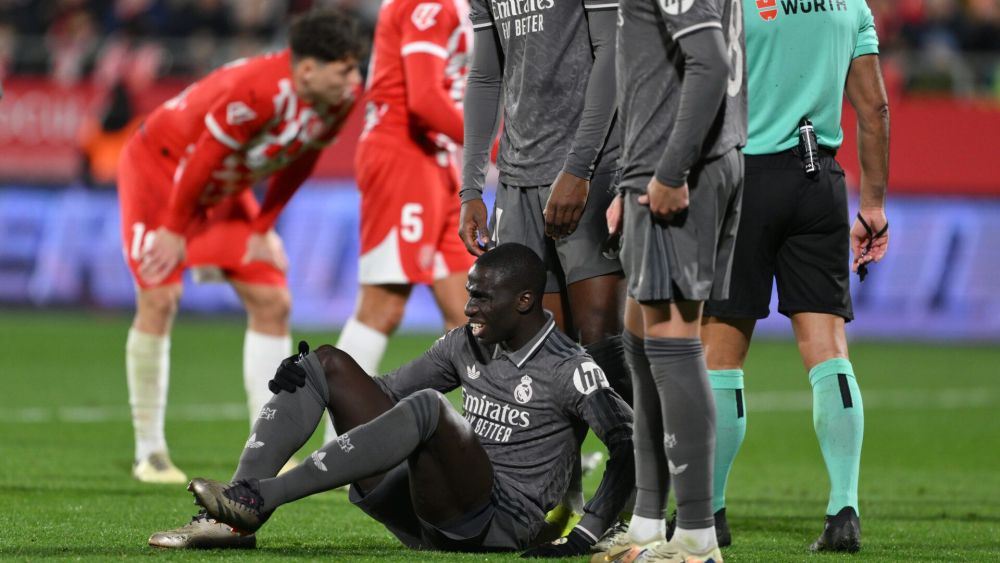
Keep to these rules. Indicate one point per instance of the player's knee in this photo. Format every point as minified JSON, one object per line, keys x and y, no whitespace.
{"x":159,"y":305}
{"x":271,"y":305}
{"x":427,"y":406}
{"x":384,"y":316}
{"x":338,"y":366}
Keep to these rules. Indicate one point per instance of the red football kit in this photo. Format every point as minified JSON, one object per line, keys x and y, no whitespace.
{"x":192,"y":162}
{"x":405,"y":168}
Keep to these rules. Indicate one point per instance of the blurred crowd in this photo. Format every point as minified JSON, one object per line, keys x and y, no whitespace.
{"x":140,"y":40}
{"x":929,"y":45}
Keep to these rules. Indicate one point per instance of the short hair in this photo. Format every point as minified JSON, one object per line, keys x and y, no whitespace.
{"x":518,"y":267}
{"x":325,"y":34}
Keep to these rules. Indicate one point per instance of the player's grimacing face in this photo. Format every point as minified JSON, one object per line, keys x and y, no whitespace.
{"x":491,"y":308}
{"x":330,"y":82}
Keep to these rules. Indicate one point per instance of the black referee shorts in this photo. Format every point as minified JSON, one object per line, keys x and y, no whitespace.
{"x":795,"y":230}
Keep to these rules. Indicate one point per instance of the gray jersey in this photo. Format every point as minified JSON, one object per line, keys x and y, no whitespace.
{"x":528,"y":408}
{"x":650,"y":74}
{"x":547,"y":60}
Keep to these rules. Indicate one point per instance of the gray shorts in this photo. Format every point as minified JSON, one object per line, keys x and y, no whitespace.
{"x":491,"y":528}
{"x":690,"y":258}
{"x":517,"y":217}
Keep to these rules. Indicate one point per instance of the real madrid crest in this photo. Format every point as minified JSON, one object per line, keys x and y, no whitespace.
{"x":522,"y":393}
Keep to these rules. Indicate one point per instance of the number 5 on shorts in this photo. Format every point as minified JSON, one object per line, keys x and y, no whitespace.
{"x":411,"y":225}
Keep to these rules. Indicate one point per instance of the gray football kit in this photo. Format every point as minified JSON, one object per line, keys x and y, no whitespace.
{"x":680,"y":123}
{"x":528,"y":407}
{"x":556,"y":80}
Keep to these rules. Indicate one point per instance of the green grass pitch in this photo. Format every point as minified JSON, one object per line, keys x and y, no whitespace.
{"x":930,"y":482}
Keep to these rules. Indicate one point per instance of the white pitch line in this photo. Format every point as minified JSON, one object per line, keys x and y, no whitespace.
{"x":757,"y":401}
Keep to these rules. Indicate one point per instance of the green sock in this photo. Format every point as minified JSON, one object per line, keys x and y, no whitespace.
{"x":730,"y":428}
{"x":839,"y":420}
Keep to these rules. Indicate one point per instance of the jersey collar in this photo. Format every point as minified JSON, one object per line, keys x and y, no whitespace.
{"x":520,"y":356}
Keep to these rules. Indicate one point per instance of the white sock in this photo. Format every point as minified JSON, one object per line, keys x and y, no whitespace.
{"x":644,"y":531}
{"x":262,"y":353}
{"x":698,"y":540}
{"x":367,"y":346}
{"x":147,"y":370}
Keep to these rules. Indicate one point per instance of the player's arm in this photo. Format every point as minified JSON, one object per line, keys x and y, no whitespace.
{"x":866,"y":92}
{"x":168,"y":246}
{"x":706,"y":71}
{"x":570,"y":190}
{"x":432,"y":370}
{"x":482,"y":118}
{"x":425,"y":34}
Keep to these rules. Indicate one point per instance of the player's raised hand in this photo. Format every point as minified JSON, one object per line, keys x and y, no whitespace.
{"x":664,"y":201}
{"x":165,"y":252}
{"x":268,"y":248}
{"x":867,"y":244}
{"x":564,"y":208}
{"x":472,"y":227}
{"x":290,"y":375}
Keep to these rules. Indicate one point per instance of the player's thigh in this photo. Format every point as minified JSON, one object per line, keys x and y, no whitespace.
{"x":768,"y":199}
{"x":452,"y":257}
{"x":144,"y":186}
{"x":812,"y":266}
{"x":403,"y":214}
{"x":580,"y":254}
{"x":517,"y":217}
{"x":219,"y":243}
{"x":451,"y":474}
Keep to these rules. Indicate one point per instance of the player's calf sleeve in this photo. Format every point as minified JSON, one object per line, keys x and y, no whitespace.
{"x":609,"y":355}
{"x":366,"y":450}
{"x":730,"y":428}
{"x":147,"y":370}
{"x":839,"y":420}
{"x":367,"y":346}
{"x":652,"y":481}
{"x":678,"y":367}
{"x":261,"y":355}
{"x":283,"y":424}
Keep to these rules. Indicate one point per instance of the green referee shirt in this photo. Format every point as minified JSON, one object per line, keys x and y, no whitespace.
{"x":798,"y":54}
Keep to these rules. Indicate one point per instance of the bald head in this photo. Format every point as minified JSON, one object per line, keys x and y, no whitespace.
{"x":516,"y":268}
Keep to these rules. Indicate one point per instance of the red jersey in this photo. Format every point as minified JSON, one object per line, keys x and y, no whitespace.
{"x":439,"y":28}
{"x":237,"y":125}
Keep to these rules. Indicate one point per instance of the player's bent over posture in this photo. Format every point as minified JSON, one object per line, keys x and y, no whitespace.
{"x":479,"y":480}
{"x":185,"y":203}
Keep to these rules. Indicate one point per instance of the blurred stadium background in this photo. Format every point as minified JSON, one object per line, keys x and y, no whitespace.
{"x":67,"y":67}
{"x":62,"y":119}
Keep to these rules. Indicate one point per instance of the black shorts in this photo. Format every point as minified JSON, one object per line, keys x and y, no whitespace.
{"x":793,"y":229}
{"x":488,"y":528}
{"x":517,"y":217}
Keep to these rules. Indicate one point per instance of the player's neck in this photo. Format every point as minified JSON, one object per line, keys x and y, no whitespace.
{"x":530,"y":326}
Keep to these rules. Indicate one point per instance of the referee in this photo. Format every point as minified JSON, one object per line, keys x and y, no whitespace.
{"x":795,"y":228}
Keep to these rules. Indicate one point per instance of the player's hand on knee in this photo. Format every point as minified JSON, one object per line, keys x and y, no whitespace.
{"x":165,"y":251}
{"x":290,"y":375}
{"x":572,"y":544}
{"x":472,"y":227}
{"x":665,"y":202}
{"x":565,"y":206}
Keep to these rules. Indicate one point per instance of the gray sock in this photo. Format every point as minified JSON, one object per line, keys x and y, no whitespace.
{"x":678,"y":366}
{"x":364,"y":451}
{"x":283,"y":425}
{"x":652,"y":481}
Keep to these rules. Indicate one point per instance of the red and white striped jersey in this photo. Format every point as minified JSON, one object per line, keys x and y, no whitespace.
{"x":250,"y":107}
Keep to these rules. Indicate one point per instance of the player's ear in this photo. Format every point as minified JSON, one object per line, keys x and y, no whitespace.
{"x":525,"y":301}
